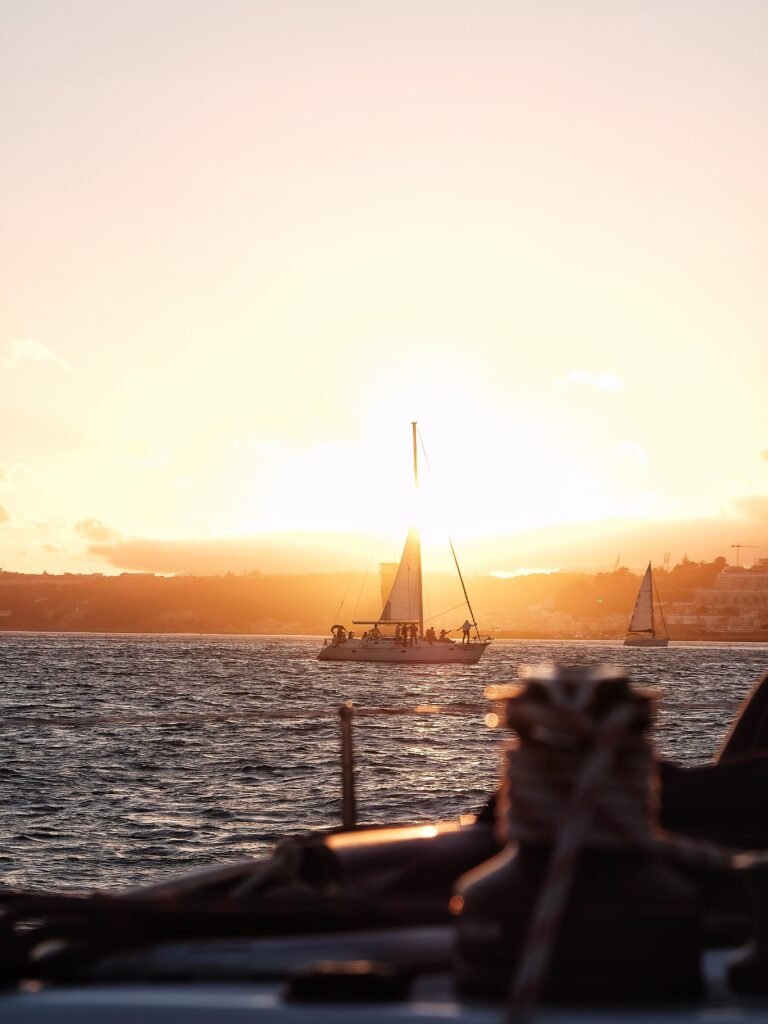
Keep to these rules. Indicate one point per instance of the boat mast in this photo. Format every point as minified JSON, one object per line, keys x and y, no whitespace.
{"x":416,"y":488}
{"x":653,"y":624}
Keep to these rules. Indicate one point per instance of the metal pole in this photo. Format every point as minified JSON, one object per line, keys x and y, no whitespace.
{"x":348,"y":805}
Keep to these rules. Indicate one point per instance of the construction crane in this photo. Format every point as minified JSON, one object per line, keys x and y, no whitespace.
{"x":739,"y":547}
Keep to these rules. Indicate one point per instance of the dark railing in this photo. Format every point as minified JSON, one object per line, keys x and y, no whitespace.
{"x":347,"y":714}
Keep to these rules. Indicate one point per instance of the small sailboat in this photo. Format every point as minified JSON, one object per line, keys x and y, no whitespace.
{"x":398,"y":634}
{"x":647,"y":627}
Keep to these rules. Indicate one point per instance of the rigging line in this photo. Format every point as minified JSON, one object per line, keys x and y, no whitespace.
{"x":423,"y":449}
{"x":453,"y":550}
{"x":349,"y":582}
{"x":464,"y":588}
{"x":447,"y":611}
{"x":365,"y":577}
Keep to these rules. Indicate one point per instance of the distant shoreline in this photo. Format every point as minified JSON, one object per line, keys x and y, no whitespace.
{"x":712,"y":638}
{"x":549,"y":606}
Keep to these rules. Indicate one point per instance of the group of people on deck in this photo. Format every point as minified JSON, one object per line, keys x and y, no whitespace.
{"x":431,"y":637}
{"x":407,"y":633}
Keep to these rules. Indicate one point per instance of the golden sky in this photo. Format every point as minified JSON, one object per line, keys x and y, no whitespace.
{"x":244,"y":244}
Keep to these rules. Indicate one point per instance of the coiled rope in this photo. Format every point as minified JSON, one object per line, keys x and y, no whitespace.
{"x":576,"y":780}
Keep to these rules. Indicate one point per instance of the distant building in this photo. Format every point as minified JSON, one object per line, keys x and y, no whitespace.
{"x":737,"y":601}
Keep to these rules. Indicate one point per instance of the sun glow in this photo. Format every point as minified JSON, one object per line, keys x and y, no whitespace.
{"x":333,"y":227}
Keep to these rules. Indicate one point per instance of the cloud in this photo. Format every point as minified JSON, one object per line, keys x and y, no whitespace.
{"x":586,"y":546}
{"x":51,"y":548}
{"x":27,"y":350}
{"x":764,"y":454}
{"x":603,"y":381}
{"x":289,"y":552}
{"x":631,"y":450}
{"x":754,"y":509}
{"x":5,"y":516}
{"x":94,"y":529}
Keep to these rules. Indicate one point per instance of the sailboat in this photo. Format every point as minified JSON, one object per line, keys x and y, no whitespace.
{"x":398,"y":635}
{"x":646,"y":629}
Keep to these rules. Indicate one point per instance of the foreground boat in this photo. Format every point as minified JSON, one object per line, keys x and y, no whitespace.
{"x":573,"y":905}
{"x":647,"y":627}
{"x":398,"y":635}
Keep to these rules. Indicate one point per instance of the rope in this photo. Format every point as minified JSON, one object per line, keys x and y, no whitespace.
{"x":453,"y":552}
{"x":442,"y":614}
{"x":362,"y":585}
{"x":550,"y":905}
{"x":574,"y":780}
{"x":357,"y":561}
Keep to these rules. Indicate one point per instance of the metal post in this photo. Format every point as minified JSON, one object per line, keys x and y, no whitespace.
{"x":348,"y":805}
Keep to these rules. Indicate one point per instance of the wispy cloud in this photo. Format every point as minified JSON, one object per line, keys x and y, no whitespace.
{"x":27,"y":350}
{"x":602,"y":380}
{"x":753,"y":507}
{"x":94,"y":529}
{"x":631,"y":450}
{"x":764,"y":454}
{"x":4,"y":515}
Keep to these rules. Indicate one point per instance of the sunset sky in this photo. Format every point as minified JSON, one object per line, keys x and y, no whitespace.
{"x":244,"y":244}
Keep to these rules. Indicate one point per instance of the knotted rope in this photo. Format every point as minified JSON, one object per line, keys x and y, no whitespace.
{"x":573,"y":780}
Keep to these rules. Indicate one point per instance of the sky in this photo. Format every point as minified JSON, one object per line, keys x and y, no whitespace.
{"x":245,"y":244}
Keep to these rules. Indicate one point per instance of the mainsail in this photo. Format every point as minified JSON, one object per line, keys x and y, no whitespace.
{"x":404,"y":603}
{"x":642,"y":616}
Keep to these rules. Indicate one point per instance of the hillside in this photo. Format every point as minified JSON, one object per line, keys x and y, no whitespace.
{"x":554,"y":604}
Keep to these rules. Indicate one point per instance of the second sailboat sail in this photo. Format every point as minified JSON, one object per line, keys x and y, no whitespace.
{"x":647,"y":627}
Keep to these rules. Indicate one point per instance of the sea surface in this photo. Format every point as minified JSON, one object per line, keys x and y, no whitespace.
{"x":126,"y":759}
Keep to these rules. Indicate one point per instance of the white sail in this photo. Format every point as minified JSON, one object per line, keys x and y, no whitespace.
{"x":404,"y":601}
{"x":642,"y":616}
{"x":401,"y":596}
{"x":387,"y":573}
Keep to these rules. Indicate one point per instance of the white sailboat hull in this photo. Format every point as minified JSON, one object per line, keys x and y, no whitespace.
{"x":646,"y":641}
{"x":397,"y":653}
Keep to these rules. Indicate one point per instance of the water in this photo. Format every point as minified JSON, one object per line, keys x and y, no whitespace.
{"x":117,"y":801}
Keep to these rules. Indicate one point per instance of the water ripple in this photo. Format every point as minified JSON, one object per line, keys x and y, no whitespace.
{"x":115,"y":803}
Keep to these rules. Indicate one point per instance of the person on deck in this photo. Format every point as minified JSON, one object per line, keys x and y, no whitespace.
{"x":444,"y":638}
{"x":414,"y":631}
{"x":398,"y":631}
{"x":466,"y":626}
{"x":375,"y":633}
{"x":429,"y":636}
